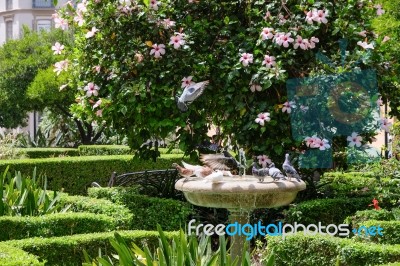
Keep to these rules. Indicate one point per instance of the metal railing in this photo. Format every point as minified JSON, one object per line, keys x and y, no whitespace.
{"x":42,"y":4}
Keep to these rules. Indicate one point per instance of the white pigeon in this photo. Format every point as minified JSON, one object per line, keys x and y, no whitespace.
{"x":215,"y":177}
{"x":289,"y":169}
{"x":189,"y":94}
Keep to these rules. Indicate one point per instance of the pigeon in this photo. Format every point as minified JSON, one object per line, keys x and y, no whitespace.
{"x":275,"y":173}
{"x":215,"y":177}
{"x":259,"y":173}
{"x":198,"y":170}
{"x":220,"y":162}
{"x":289,"y":169}
{"x":183,"y":171}
{"x":189,"y":94}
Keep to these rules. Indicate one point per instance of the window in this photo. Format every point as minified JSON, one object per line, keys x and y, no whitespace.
{"x":9,"y":30}
{"x":9,"y":4}
{"x":42,"y":4}
{"x":43,"y":24}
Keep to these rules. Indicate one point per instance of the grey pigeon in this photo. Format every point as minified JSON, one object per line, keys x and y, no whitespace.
{"x":275,"y":173}
{"x":220,"y":161}
{"x":289,"y":169}
{"x":189,"y":94}
{"x":259,"y":173}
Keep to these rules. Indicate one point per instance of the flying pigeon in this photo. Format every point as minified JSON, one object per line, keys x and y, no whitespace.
{"x":220,"y":162}
{"x":289,"y":169}
{"x":259,"y":173}
{"x":189,"y":94}
{"x":275,"y":173}
{"x":198,"y":170}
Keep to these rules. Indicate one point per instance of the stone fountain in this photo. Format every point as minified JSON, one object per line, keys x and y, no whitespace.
{"x":240,"y":195}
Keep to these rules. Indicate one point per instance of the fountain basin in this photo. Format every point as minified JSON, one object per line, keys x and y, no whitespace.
{"x":240,"y":192}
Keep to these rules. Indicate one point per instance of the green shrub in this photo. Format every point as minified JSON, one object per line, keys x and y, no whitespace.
{"x":21,"y":195}
{"x":396,"y":213}
{"x":326,"y":211}
{"x":88,"y":150}
{"x":167,"y":151}
{"x":60,"y":224}
{"x":110,"y":193}
{"x":12,"y":256}
{"x":121,"y":215}
{"x":325,"y":250}
{"x":148,"y":211}
{"x":365,"y":215}
{"x":68,"y":250}
{"x":390,"y":233}
{"x":390,"y":264}
{"x":48,"y":152}
{"x":75,"y":174}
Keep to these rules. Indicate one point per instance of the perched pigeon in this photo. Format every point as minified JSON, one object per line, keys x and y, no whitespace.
{"x":219,"y":162}
{"x":289,"y":169}
{"x":259,"y":173}
{"x":215,"y":177}
{"x":189,"y":94}
{"x":183,"y":171}
{"x":275,"y":173}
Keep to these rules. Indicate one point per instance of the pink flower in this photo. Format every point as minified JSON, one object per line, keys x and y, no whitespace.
{"x":99,"y":113}
{"x":81,"y":7}
{"x":269,"y":61}
{"x":97,"y":104}
{"x":312,"y":42}
{"x":385,"y":124}
{"x":92,"y":32}
{"x":303,"y":44}
{"x":255,"y":87}
{"x":267,"y":33}
{"x":284,"y":40}
{"x":60,"y":66}
{"x":379,"y":10}
{"x":167,"y":23}
{"x":154,"y":4}
{"x":320,"y":16}
{"x":362,"y":33}
{"x":385,"y":39}
{"x":262,"y":117}
{"x":322,"y":144}
{"x":267,"y":15}
{"x":57,"y":48}
{"x":263,"y":160}
{"x":187,"y":81}
{"x":60,"y":22}
{"x":158,"y":50}
{"x":310,"y":16}
{"x":282,"y":19}
{"x":246,"y":59}
{"x":96,"y":69}
{"x":312,"y":142}
{"x":79,"y":19}
{"x":365,"y":45}
{"x":91,"y":89}
{"x":287,"y":107}
{"x":177,"y":41}
{"x":354,"y":140}
{"x":304,"y":108}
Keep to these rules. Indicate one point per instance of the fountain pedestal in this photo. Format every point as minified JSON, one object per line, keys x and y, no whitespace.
{"x":240,"y":195}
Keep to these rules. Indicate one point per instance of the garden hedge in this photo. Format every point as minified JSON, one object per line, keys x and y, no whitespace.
{"x":12,"y":256}
{"x":148,"y":211}
{"x":68,"y":250}
{"x":325,"y":250}
{"x":59,"y":224}
{"x":48,"y":152}
{"x":365,"y":215}
{"x":326,"y":211}
{"x":75,"y":174}
{"x":88,"y":150}
{"x":390,"y":233}
{"x":120,"y":214}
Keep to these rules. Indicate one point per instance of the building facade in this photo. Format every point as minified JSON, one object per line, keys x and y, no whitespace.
{"x":37,"y":15}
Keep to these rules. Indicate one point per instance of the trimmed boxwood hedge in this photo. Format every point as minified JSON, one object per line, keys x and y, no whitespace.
{"x":75,"y":174}
{"x":88,"y":150}
{"x":326,"y":211}
{"x":48,"y":152}
{"x":12,"y":256}
{"x":325,"y":250}
{"x":390,"y":233}
{"x":365,"y":215}
{"x":59,"y":224}
{"x":68,"y":250}
{"x":148,"y":211}
{"x":120,"y":214}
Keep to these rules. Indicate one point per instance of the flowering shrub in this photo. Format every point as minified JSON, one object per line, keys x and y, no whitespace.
{"x":139,"y":55}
